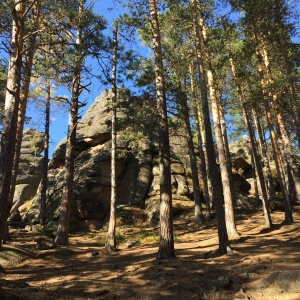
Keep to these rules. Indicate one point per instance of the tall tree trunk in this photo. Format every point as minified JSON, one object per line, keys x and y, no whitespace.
{"x":227,"y":152}
{"x":193,"y":162}
{"x":268,"y":221}
{"x":217,"y":195}
{"x":206,"y":156}
{"x":268,"y":174}
{"x":227,"y":191}
{"x":276,"y":152}
{"x":166,"y":243}
{"x":110,"y":242}
{"x":289,"y":154}
{"x":287,"y":149}
{"x":200,"y":146}
{"x":288,"y":175}
{"x":12,"y":99}
{"x":62,"y":236}
{"x":254,"y":177}
{"x":30,"y":46}
{"x":282,"y":39}
{"x":44,"y":181}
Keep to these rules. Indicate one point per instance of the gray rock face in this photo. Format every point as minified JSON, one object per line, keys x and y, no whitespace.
{"x":136,"y":170}
{"x":30,"y":167}
{"x":284,"y":281}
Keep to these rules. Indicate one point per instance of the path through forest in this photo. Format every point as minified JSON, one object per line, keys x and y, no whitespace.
{"x":264,"y":265}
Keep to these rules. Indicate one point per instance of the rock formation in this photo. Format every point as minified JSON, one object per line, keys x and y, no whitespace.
{"x":136,"y":170}
{"x":30,"y":168}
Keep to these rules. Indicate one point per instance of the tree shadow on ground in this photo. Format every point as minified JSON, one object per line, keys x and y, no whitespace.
{"x":198,"y":271}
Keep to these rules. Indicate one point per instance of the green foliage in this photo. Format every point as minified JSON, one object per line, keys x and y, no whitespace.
{"x":120,"y":238}
{"x":146,"y":237}
{"x":140,"y":121}
{"x":47,"y":231}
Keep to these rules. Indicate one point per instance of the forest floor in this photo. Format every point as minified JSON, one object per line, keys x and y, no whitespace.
{"x":265,"y":264}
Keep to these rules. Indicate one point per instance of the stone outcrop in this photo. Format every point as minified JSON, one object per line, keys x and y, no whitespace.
{"x":136,"y":169}
{"x":30,"y":167}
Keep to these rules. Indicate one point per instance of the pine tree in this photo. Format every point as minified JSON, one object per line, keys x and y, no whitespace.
{"x":12,"y":99}
{"x":88,"y":39}
{"x":166,"y":243}
{"x":217,"y":196}
{"x":110,"y":242}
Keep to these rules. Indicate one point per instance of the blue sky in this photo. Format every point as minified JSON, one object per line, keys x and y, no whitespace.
{"x":59,"y":118}
{"x":110,"y":9}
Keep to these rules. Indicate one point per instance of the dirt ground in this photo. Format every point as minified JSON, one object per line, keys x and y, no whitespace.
{"x":83,"y":270}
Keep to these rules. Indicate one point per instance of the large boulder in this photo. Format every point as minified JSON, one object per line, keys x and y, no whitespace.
{"x":30,"y":167}
{"x":136,"y":170}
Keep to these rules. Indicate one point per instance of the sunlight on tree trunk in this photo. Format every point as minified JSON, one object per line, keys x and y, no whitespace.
{"x":217,"y":196}
{"x":200,"y":146}
{"x":286,"y":202}
{"x":62,"y":236}
{"x":268,"y":221}
{"x":227,"y":190}
{"x":12,"y":99}
{"x":110,"y":242}
{"x":166,"y":243}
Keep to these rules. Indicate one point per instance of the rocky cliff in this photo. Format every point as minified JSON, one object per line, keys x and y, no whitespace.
{"x":136,"y":169}
{"x":30,"y":169}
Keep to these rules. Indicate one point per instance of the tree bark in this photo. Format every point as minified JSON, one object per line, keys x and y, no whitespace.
{"x":286,"y":148}
{"x":12,"y":99}
{"x":44,"y":181}
{"x":110,"y":242}
{"x":24,"y":91}
{"x":227,"y":191}
{"x":62,"y":236}
{"x":268,"y":174}
{"x":282,"y":39}
{"x":166,"y":243}
{"x":268,"y":221}
{"x":200,"y":147}
{"x":279,"y":168}
{"x":217,"y":195}
{"x":226,"y":150}
{"x":193,"y":162}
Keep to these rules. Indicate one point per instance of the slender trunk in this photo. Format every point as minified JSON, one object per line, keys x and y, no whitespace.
{"x":288,"y":175}
{"x":268,"y":173}
{"x":227,"y":191}
{"x":206,"y":157}
{"x":110,"y":242}
{"x":254,"y":154}
{"x":31,"y":45}
{"x":200,"y":147}
{"x":276,"y":152}
{"x":44,"y":181}
{"x":166,"y":243}
{"x":227,"y":152}
{"x":254,"y":177}
{"x":12,"y":99}
{"x":217,"y":195}
{"x":62,"y":236}
{"x":289,"y":155}
{"x":194,"y":169}
{"x":286,"y":148}
{"x":282,"y":40}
